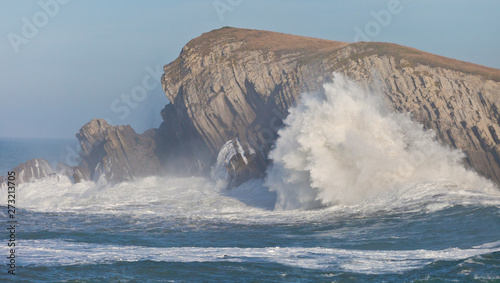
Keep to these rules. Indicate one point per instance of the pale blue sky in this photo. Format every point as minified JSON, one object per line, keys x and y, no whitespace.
{"x":84,"y":56}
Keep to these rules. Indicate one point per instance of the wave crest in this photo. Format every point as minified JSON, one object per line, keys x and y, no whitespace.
{"x":344,"y":146}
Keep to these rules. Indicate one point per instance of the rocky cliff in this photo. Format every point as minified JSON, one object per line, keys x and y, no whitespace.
{"x":117,"y":153}
{"x":236,"y":83}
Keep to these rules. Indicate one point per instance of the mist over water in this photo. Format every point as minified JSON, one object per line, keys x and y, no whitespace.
{"x":344,"y":146}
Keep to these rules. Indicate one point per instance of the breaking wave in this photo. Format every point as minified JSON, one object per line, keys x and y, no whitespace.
{"x":344,"y":146}
{"x":60,"y":252}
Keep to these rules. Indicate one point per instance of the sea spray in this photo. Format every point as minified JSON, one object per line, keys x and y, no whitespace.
{"x":344,"y":145}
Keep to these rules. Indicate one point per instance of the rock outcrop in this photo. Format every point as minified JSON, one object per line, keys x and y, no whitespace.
{"x":235,"y":164}
{"x":39,"y":168}
{"x":32,"y":170}
{"x":235,"y":83}
{"x":116,"y":153}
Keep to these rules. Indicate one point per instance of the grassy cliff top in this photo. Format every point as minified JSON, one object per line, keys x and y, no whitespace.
{"x":314,"y":49}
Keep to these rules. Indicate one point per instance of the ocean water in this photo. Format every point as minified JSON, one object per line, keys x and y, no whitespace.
{"x":19,"y":150}
{"x":356,"y":194}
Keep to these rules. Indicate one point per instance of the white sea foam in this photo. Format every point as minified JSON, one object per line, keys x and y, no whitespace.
{"x":344,"y":146}
{"x":61,"y":252}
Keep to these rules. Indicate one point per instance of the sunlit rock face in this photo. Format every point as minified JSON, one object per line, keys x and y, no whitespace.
{"x":237,"y":83}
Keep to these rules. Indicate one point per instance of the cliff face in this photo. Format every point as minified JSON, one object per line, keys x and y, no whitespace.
{"x":234,"y":83}
{"x":461,"y":108}
{"x":115,"y":153}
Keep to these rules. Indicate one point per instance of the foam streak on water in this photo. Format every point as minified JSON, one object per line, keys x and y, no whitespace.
{"x":45,"y":252}
{"x":203,"y":199}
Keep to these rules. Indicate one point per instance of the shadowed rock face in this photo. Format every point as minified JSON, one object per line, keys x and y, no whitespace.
{"x":117,"y":153}
{"x":241,"y":167}
{"x":235,"y":83}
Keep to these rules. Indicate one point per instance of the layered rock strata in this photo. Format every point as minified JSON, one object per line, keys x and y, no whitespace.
{"x":236,"y":83}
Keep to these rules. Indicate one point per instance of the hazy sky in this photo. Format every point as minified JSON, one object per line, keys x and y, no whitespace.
{"x":65,"y":62}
